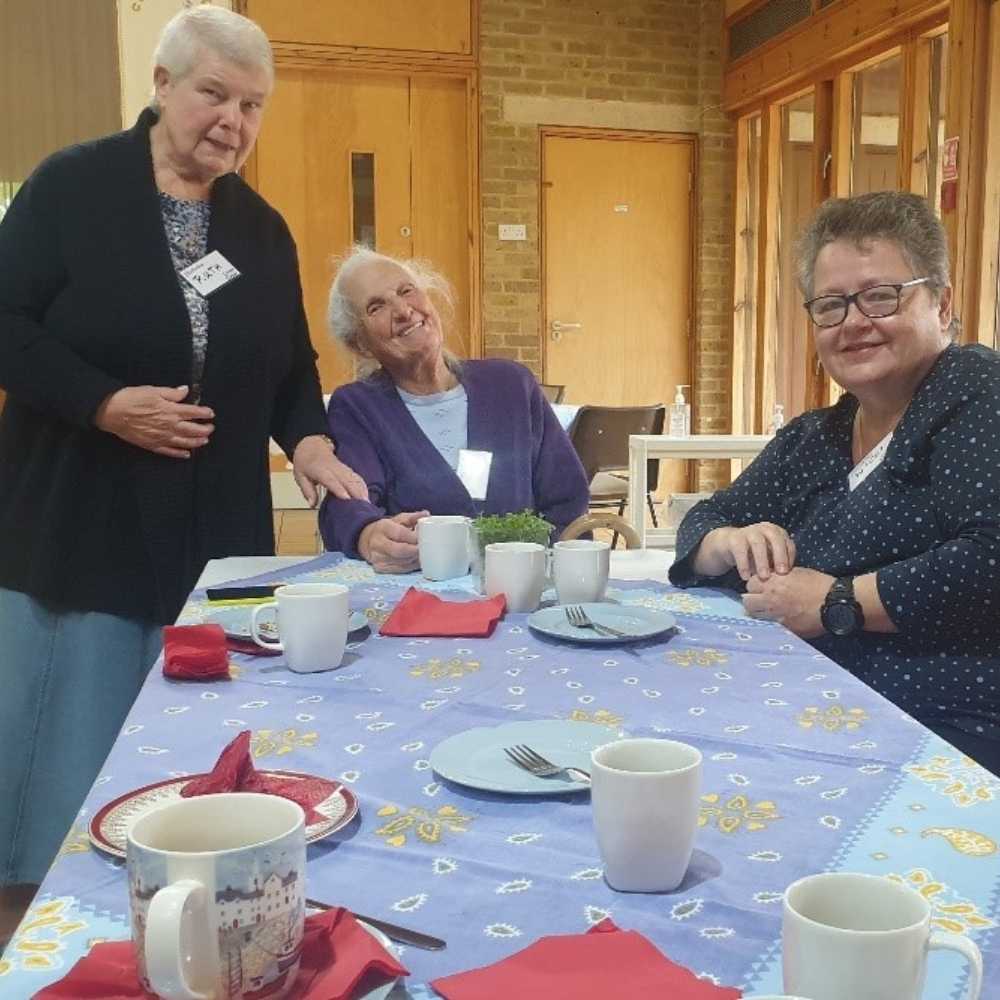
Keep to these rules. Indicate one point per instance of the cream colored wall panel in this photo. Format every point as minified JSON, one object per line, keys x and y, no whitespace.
{"x":139,"y":25}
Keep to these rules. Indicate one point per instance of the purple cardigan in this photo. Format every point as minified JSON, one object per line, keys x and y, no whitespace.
{"x":534,"y":463}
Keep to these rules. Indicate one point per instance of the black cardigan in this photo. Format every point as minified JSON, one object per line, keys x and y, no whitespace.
{"x":90,"y":303}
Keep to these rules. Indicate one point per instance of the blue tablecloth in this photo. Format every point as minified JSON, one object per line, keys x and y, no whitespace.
{"x":806,"y":770}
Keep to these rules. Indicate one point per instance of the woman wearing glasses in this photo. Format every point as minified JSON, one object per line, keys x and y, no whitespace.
{"x":872,"y":528}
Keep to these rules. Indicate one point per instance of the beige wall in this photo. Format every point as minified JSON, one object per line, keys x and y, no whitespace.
{"x":139,"y":25}
{"x":639,"y":64}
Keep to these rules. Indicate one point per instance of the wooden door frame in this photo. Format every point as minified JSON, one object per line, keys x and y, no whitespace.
{"x":582,"y":132}
{"x":407,"y":64}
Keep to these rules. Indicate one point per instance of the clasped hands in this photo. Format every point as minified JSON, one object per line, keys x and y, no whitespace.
{"x":764,"y":556}
{"x":157,"y":419}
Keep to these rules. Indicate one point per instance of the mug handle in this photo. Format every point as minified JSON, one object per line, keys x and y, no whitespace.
{"x":267,"y":644}
{"x":168,"y":943}
{"x":945,"y":940}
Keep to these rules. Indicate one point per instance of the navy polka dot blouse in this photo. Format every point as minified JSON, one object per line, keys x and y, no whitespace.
{"x":927,"y":519}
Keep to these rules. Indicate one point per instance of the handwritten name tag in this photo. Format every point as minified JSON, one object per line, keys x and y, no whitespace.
{"x":210,"y":273}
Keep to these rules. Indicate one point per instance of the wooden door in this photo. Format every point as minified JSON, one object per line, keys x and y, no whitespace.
{"x":618,"y":247}
{"x":412,"y":130}
{"x":315,"y":121}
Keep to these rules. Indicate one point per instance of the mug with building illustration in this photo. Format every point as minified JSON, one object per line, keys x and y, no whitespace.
{"x":217,"y":896}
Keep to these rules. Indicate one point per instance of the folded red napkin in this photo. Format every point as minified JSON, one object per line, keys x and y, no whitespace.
{"x":195,"y":652}
{"x":108,"y":971}
{"x":234,"y":772}
{"x":422,"y":613}
{"x":591,"y":966}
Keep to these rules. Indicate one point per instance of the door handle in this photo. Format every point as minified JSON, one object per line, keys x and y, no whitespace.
{"x":557,"y":328}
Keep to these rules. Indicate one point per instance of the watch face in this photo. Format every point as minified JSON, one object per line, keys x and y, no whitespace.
{"x":840,"y":619}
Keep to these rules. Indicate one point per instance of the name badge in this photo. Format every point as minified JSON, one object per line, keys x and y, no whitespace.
{"x":868,"y":464}
{"x":474,"y":471}
{"x":210,"y":273}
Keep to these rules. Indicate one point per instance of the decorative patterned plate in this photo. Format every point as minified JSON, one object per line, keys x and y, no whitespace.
{"x":109,"y":828}
{"x":475,"y":757}
{"x":235,"y":620}
{"x":638,"y":622}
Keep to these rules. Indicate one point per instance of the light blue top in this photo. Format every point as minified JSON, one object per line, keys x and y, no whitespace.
{"x":443,"y":417}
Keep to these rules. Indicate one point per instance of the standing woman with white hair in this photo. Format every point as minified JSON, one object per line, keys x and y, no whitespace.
{"x":152,"y":339}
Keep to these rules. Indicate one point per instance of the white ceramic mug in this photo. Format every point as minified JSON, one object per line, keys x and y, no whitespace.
{"x":644,"y":794}
{"x":848,"y":936}
{"x":444,"y":543}
{"x":312,"y":623}
{"x":580,"y":570}
{"x":217,"y":896}
{"x":516,"y":570}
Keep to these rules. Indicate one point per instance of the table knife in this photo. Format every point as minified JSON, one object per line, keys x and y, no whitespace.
{"x":392,"y":931}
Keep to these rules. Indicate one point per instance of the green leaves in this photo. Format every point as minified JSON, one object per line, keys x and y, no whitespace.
{"x":524,"y":526}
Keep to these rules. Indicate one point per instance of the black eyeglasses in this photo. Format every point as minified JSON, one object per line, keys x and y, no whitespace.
{"x":875,"y":302}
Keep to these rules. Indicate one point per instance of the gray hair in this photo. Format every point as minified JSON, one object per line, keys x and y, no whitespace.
{"x":897,"y":216}
{"x":346,"y":325}
{"x":225,"y":32}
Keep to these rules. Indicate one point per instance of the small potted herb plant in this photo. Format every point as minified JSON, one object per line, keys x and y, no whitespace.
{"x":524,"y":526}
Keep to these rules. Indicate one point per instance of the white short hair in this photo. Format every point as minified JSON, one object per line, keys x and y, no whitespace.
{"x":230,"y":35}
{"x":344,"y":322}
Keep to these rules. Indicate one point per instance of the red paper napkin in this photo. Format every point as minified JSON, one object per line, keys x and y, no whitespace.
{"x":234,"y":772}
{"x":195,"y":652}
{"x":604,"y":965}
{"x":420,"y":613}
{"x":337,"y":954}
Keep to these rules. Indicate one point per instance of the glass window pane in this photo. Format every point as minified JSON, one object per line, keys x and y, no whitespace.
{"x":795,"y":205}
{"x":363,"y":198}
{"x":875,"y":134}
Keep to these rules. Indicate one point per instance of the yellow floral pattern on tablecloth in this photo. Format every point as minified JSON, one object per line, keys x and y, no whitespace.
{"x":437,"y":669}
{"x":347,"y":572}
{"x":959,"y":778}
{"x":29,"y":950}
{"x":949,"y":911}
{"x":737,"y":813}
{"x":834,"y":719}
{"x":265,"y":742}
{"x":428,"y":827}
{"x":601,"y":716}
{"x":685,"y":604}
{"x":967,"y":842}
{"x":695,"y":657}
{"x":77,"y":841}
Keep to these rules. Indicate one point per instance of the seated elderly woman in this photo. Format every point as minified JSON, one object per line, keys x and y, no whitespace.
{"x":872,"y":528}
{"x":404,"y":427}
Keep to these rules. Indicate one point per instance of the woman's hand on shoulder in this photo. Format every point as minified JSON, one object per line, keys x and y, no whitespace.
{"x":314,"y":464}
{"x":756,"y":550}
{"x":155,"y":417}
{"x":390,"y":544}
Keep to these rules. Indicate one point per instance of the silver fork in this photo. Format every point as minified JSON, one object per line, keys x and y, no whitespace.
{"x":579,"y":618}
{"x":540,"y":766}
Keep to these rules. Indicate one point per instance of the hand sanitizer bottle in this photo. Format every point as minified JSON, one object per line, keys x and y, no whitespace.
{"x":777,"y":418}
{"x":680,"y":415}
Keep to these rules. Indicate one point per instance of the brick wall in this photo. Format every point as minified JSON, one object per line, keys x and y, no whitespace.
{"x":651,"y":64}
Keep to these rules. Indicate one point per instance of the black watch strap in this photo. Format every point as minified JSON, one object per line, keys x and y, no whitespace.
{"x":841,"y":613}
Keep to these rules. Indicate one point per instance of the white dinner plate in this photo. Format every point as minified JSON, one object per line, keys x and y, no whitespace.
{"x":476,"y":757}
{"x":637,"y":622}
{"x":235,"y":620}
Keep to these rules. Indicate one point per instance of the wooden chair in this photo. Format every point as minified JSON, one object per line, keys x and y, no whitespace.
{"x":611,"y":522}
{"x":553,"y":393}
{"x":600,"y":436}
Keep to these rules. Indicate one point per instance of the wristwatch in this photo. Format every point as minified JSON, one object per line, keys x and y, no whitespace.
{"x":841,"y":614}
